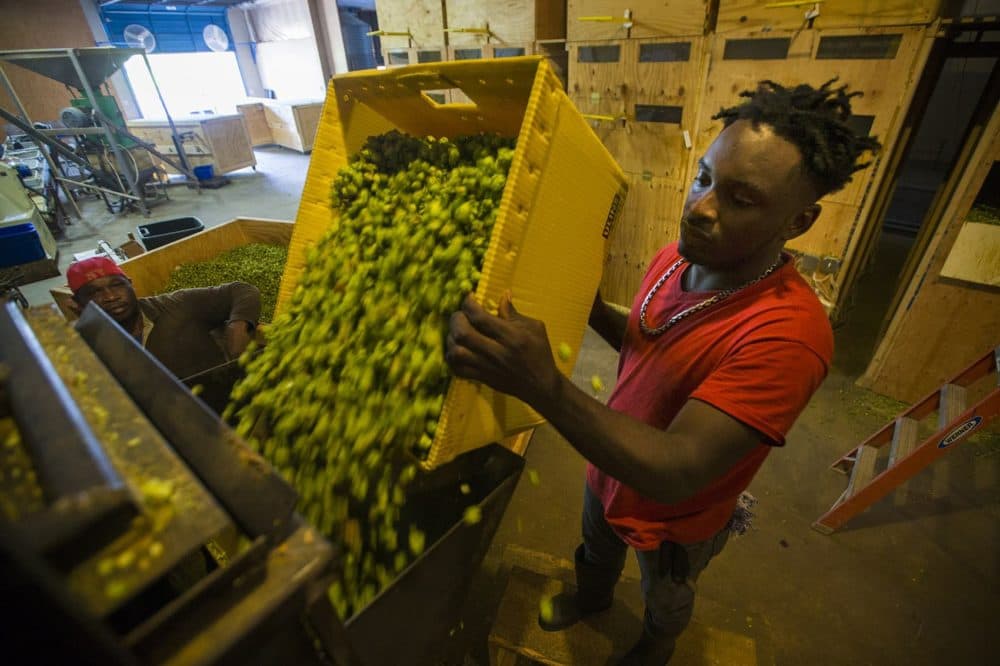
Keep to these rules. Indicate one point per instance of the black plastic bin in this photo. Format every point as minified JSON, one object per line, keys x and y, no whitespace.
{"x":158,"y":234}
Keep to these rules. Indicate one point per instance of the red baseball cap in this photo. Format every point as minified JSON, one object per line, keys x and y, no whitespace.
{"x":81,"y":273}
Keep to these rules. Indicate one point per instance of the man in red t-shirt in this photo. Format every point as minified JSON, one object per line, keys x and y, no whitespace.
{"x":722,"y":349}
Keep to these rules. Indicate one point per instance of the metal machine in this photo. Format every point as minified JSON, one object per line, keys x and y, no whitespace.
{"x":94,"y":151}
{"x":116,"y":486}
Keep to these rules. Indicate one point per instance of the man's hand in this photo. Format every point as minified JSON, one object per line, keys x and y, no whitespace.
{"x":509,"y":353}
{"x":237,"y":337}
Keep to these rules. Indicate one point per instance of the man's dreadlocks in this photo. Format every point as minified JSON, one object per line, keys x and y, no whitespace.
{"x":815,"y":120}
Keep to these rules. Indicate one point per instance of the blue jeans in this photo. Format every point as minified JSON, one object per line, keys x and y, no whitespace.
{"x":668,"y":572}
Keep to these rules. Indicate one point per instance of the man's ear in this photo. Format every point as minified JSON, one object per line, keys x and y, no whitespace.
{"x":802,"y":222}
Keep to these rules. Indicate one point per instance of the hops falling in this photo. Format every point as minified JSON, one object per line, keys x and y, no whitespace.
{"x":353,"y":376}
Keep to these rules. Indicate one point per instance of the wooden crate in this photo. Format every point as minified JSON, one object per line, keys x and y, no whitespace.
{"x":887,"y":84}
{"x":256,"y":121}
{"x":751,"y":14}
{"x":650,"y":18}
{"x":288,"y":123}
{"x":222,"y":141}
{"x":150,"y":271}
{"x":293,"y":124}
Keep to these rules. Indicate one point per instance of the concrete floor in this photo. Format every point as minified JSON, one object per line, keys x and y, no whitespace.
{"x":915,"y":580}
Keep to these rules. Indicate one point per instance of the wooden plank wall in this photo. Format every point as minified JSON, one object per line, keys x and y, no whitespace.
{"x":35,"y":25}
{"x":737,"y":15}
{"x":509,"y":21}
{"x":650,"y":18}
{"x":942,"y":326}
{"x":424,"y":19}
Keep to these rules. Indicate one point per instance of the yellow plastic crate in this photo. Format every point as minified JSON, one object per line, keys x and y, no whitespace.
{"x":564,"y":192}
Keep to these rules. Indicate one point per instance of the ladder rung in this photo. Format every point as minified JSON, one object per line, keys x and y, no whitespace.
{"x":864,"y":469}
{"x":904,"y":439}
{"x":954,"y":399}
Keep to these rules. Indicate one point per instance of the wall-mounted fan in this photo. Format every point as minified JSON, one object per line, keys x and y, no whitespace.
{"x":139,"y":37}
{"x":215,"y":37}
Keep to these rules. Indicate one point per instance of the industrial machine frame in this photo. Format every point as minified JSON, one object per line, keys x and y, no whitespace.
{"x":85,"y":69}
{"x":267,"y":600}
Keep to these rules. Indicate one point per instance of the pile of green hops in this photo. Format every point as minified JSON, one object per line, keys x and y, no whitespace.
{"x":259,"y":264}
{"x":345,"y":397}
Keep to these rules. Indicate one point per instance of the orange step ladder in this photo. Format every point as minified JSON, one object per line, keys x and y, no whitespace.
{"x":907,"y":456}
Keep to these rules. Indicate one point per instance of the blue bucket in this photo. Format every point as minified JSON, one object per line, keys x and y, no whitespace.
{"x":204,"y":172}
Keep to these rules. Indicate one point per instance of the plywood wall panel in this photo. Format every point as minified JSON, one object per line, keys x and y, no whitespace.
{"x":744,"y":14}
{"x":423,"y":19}
{"x":599,"y":87}
{"x":650,"y":18}
{"x":509,"y":21}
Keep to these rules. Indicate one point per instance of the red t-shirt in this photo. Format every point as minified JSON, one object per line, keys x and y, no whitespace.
{"x":758,"y":356}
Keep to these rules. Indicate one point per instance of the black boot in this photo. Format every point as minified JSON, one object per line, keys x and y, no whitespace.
{"x":650,"y":650}
{"x":595,"y":587}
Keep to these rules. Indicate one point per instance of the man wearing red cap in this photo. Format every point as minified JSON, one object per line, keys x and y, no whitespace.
{"x":189,"y":330}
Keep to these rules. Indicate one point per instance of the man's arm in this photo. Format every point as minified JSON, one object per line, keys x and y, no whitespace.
{"x":243,"y":314}
{"x":608,"y":321}
{"x":234,"y":305}
{"x":511,"y":353}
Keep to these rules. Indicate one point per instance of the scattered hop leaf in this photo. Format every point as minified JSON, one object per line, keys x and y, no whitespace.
{"x":416,"y":541}
{"x":116,"y":589}
{"x":197,"y":389}
{"x":155,"y":549}
{"x":546,"y":609}
{"x":105,"y":566}
{"x":135,"y":441}
{"x":157,"y":491}
{"x":533,"y":477}
{"x":596,"y":384}
{"x":125,"y":559}
{"x":564,"y":351}
{"x":473,"y":514}
{"x":465,"y":489}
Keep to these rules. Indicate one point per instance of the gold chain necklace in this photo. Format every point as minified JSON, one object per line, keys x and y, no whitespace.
{"x":698,"y":307}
